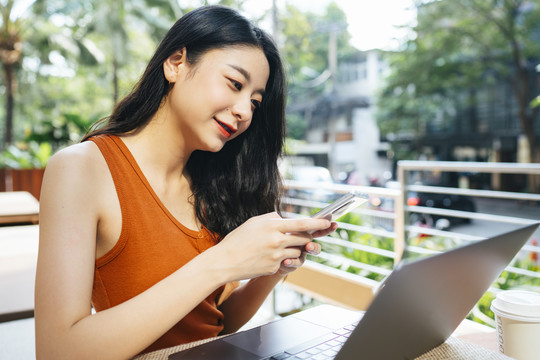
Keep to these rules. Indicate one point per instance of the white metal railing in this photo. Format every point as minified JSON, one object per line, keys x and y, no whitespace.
{"x":394,"y":222}
{"x":405,"y":168}
{"x":394,"y":219}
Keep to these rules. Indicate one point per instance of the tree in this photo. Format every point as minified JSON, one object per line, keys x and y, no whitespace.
{"x":11,"y":31}
{"x":306,"y":41}
{"x":110,"y":21}
{"x":70,"y":51}
{"x":106,"y":24}
{"x":28,"y":33}
{"x":461,"y":45}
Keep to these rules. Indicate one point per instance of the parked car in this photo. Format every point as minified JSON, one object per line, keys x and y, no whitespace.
{"x":441,"y":201}
{"x":311,"y":174}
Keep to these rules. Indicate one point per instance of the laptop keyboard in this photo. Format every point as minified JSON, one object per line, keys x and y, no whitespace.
{"x":323,"y":348}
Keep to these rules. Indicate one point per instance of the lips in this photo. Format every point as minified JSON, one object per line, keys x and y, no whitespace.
{"x":225,"y":129}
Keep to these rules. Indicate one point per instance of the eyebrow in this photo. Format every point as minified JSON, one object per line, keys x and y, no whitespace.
{"x":246,"y":74}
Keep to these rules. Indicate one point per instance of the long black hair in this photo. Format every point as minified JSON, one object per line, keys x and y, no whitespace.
{"x":242,"y":179}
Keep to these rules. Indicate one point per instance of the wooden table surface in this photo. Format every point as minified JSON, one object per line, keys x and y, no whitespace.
{"x":18,"y":259}
{"x":18,"y":207}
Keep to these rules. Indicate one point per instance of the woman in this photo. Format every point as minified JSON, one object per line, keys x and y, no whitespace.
{"x":155,"y":216}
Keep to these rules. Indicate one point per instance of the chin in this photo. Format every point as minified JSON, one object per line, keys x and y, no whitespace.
{"x":214,"y":147}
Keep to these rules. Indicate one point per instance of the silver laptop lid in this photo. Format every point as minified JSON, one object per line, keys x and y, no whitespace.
{"x":424,"y":301}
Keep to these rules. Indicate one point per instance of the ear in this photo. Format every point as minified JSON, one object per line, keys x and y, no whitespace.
{"x":173,"y":64}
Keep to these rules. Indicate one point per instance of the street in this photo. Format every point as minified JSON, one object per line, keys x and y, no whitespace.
{"x":512,"y":208}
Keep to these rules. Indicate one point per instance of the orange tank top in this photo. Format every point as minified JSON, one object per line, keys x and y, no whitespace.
{"x":152,"y":245}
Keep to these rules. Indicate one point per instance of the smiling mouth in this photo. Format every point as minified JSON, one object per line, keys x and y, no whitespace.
{"x":225,"y":129}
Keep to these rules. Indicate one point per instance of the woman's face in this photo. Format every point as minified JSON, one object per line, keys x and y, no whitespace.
{"x":213,"y":101}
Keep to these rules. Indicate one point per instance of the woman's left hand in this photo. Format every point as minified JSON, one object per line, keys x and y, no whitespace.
{"x":289,"y":265}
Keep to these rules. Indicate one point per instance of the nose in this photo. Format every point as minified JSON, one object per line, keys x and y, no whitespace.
{"x":242,"y":109}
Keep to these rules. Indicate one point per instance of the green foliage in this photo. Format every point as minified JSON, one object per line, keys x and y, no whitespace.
{"x":435,"y":243}
{"x":305,"y":48}
{"x":296,"y":126}
{"x":65,"y":130}
{"x":481,"y":313}
{"x":78,"y":56}
{"x":358,"y":255}
{"x":306,"y":39}
{"x":30,"y":155}
{"x":43,"y":139}
{"x":535,"y":102}
{"x":460,"y":45}
{"x":507,"y":280}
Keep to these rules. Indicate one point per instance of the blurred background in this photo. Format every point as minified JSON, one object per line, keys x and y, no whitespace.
{"x":429,"y":107}
{"x":370,"y":83}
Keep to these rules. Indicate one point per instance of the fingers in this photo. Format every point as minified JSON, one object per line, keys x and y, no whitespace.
{"x":279,"y":242}
{"x":303,"y":225}
{"x":324,"y":232}
{"x":294,"y":262}
{"x":313,"y":248}
{"x":294,"y":240}
{"x":292,"y":253}
{"x":308,"y":225}
{"x":301,"y":241}
{"x":310,"y":248}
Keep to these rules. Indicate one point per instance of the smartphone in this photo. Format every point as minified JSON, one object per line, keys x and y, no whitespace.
{"x":342,"y":206}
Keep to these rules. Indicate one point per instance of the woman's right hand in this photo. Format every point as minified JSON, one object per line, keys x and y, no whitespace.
{"x":258,"y":246}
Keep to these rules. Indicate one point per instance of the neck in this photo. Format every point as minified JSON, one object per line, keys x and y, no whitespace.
{"x":159,"y":149}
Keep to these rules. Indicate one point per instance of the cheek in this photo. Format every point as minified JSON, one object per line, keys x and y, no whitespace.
{"x":203,"y":91}
{"x":215,"y":95}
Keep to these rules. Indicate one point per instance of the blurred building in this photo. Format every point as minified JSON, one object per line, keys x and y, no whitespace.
{"x":482,"y":123}
{"x":486,"y":128}
{"x":479,"y":124}
{"x":342,"y":133}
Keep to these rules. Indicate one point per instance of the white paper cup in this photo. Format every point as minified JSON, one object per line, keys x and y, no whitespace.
{"x":517,"y":315}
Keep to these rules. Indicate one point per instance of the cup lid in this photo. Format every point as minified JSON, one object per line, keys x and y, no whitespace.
{"x":520,"y":303}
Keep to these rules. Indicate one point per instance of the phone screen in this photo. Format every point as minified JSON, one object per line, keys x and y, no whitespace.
{"x":341,"y":206}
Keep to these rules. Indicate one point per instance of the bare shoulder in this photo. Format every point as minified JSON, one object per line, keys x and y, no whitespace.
{"x":82,"y":154}
{"x":80,"y":162}
{"x":78,"y":172}
{"x":70,"y":208}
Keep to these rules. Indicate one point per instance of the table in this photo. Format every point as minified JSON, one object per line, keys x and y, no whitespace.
{"x":470,"y":341}
{"x":18,"y":259}
{"x":477,"y":334}
{"x":18,"y":207}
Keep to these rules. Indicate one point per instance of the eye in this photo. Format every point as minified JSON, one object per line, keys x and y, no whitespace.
{"x":255,"y":104}
{"x":236,"y":84}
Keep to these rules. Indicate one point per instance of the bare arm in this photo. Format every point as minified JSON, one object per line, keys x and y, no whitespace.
{"x":244,"y":302}
{"x":65,"y":327}
{"x":71,"y":213}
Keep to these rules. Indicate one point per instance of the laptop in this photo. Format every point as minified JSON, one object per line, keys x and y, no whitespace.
{"x":416,"y":309}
